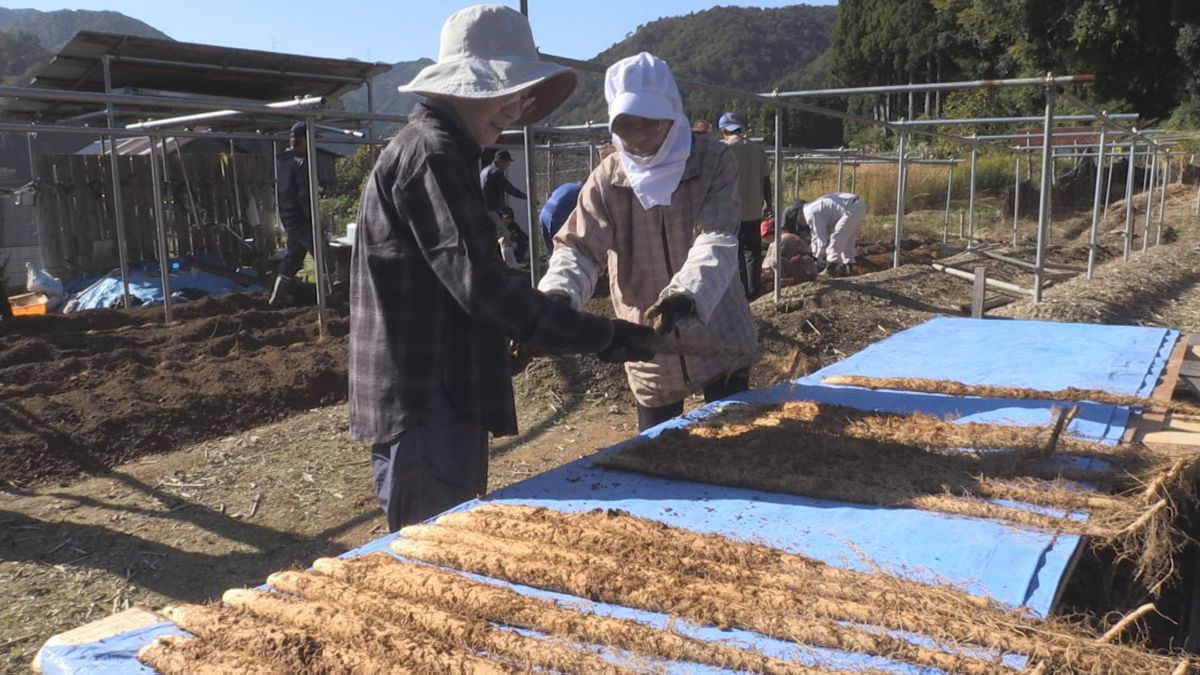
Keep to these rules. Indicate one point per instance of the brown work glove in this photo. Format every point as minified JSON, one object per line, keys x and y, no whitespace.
{"x":630,"y":342}
{"x":666,"y":314}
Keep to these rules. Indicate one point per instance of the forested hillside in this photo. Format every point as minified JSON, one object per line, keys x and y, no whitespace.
{"x":750,"y":49}
{"x":1144,"y":53}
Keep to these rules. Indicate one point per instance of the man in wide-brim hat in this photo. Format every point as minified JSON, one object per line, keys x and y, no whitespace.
{"x":432,"y":303}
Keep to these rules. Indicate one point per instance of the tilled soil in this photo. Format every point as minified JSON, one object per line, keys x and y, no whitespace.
{"x":83,"y":393}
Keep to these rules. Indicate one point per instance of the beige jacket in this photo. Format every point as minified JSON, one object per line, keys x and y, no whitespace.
{"x":752,"y":167}
{"x":689,"y":247}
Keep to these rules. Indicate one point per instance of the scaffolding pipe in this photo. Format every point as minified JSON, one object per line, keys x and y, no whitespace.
{"x":1149,"y":201}
{"x":1129,"y":202}
{"x":994,"y":283}
{"x":1051,"y":267}
{"x":529,"y":202}
{"x":318,"y":237}
{"x":1162,"y":199}
{"x":184,"y":120}
{"x":937,"y":86}
{"x":971,"y":198}
{"x":854,"y":177}
{"x":1091,"y":261}
{"x":117,"y":202}
{"x":900,"y":186}
{"x":37,"y":213}
{"x":164,"y":261}
{"x":1108,"y":186}
{"x":1044,"y":198}
{"x":841,"y":169}
{"x":1016,"y":199}
{"x":1032,"y":119}
{"x":949,"y":190}
{"x":777,"y":207}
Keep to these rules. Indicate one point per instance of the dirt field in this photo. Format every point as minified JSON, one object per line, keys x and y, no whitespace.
{"x":150,"y":464}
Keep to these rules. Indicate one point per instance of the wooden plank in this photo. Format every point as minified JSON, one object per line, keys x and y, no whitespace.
{"x":1154,"y":420}
{"x":130,"y":619}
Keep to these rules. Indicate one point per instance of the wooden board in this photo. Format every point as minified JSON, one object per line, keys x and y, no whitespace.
{"x":130,"y":619}
{"x":1163,"y":430}
{"x":1152,"y":421}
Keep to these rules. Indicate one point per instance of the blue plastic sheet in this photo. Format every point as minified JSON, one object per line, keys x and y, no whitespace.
{"x":1013,"y":566}
{"x":145,"y":284}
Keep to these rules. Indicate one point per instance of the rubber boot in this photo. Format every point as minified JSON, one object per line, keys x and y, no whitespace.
{"x":281,"y":294}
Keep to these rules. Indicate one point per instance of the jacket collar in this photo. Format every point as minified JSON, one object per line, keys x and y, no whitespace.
{"x":690,"y":170}
{"x":444,"y":117}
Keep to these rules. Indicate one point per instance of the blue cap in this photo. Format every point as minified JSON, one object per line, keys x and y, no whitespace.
{"x":731,"y":122}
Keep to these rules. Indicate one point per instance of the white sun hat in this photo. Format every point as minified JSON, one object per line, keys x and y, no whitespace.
{"x":487,"y":51}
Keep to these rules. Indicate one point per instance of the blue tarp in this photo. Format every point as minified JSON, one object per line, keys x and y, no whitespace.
{"x":145,"y":284}
{"x":1013,"y":566}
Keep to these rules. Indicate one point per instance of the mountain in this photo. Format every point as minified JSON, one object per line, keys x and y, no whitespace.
{"x":387,"y":98}
{"x":55,"y":29}
{"x":19,"y":53}
{"x":745,"y":48}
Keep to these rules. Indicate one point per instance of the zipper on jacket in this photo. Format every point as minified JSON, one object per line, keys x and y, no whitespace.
{"x":662,"y":223}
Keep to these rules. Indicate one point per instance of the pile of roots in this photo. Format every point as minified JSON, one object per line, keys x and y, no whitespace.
{"x":377,"y":614}
{"x":1124,"y":497}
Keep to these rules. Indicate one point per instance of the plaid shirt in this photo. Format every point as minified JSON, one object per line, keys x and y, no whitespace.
{"x":432,"y":303}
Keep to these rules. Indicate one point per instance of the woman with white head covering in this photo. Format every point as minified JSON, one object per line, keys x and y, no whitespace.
{"x":662,"y":214}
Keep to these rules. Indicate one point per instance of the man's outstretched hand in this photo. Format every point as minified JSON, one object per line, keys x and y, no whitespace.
{"x":630,"y":342}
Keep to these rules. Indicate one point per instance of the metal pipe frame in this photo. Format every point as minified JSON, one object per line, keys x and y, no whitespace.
{"x":1032,"y":119}
{"x":37,"y":213}
{"x":939,"y":86}
{"x":971,"y":198}
{"x":184,"y":120}
{"x":1162,"y":200}
{"x":1039,"y":273}
{"x":902,"y":169}
{"x":164,"y":261}
{"x":117,"y":201}
{"x":777,"y":206}
{"x":318,"y":236}
{"x":236,"y":69}
{"x":198,"y":104}
{"x":1016,"y":200}
{"x":1091,"y":261}
{"x":949,"y":190}
{"x":1129,"y":166}
{"x":529,"y":201}
{"x":1149,"y":201}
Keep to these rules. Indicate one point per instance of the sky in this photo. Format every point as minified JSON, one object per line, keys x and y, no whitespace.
{"x":389,"y":31}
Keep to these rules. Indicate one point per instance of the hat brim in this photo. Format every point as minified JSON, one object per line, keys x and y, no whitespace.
{"x":551,"y":83}
{"x":731,"y":127}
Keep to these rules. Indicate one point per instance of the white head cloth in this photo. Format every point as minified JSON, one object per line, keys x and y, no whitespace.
{"x":642,"y":85}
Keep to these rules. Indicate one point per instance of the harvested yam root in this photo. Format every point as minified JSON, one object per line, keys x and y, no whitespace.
{"x":291,"y":650}
{"x":954,"y":388}
{"x":464,"y":633}
{"x":353,"y":632}
{"x":917,"y":461}
{"x":616,"y":558}
{"x":175,"y":655}
{"x":404,"y":581}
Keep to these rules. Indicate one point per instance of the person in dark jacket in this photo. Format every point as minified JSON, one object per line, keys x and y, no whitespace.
{"x":295,"y":212}
{"x":432,"y":304}
{"x":493,"y":180}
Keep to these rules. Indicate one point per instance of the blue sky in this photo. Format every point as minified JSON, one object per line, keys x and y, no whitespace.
{"x":392,"y":30}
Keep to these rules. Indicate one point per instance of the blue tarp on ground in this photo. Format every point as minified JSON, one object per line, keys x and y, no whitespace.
{"x":145,"y":284}
{"x":1014,"y":566}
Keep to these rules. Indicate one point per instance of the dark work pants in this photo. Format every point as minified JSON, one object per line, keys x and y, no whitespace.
{"x":434,"y":465}
{"x":299,"y":243}
{"x":750,"y":251}
{"x":722,"y":387}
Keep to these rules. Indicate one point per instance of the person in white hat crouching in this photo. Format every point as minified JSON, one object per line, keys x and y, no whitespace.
{"x":663,"y":214}
{"x":432,"y":303}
